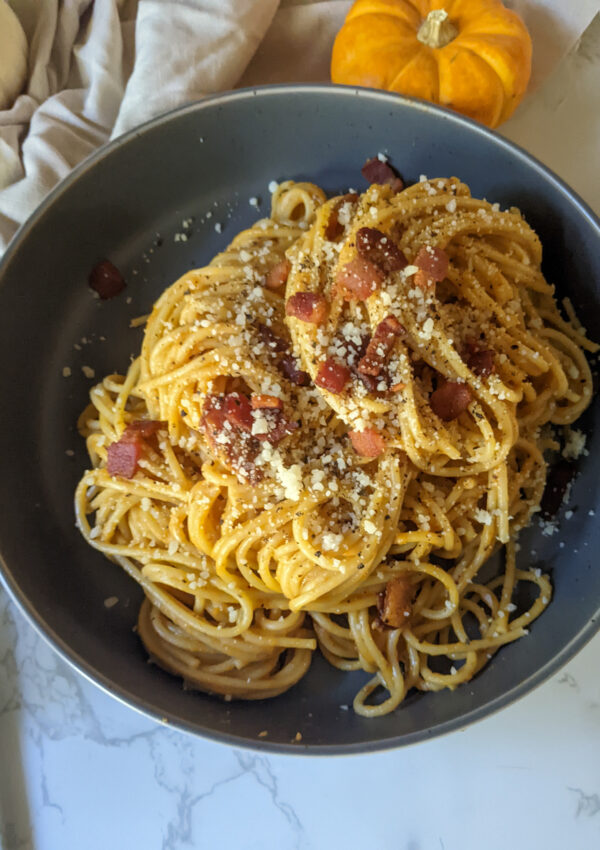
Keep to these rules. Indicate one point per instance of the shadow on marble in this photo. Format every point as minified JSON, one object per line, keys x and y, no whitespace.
{"x":15,"y":815}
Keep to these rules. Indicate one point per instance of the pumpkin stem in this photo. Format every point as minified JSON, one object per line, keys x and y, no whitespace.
{"x":437,"y":30}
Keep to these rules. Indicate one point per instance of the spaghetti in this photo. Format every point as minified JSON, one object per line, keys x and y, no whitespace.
{"x":328,"y":432}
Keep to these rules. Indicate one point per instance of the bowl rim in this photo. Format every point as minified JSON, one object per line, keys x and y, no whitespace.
{"x":36,"y":619}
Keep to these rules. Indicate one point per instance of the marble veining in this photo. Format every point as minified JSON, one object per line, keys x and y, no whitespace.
{"x":78,"y":759}
{"x":588,"y":805}
{"x":79,"y":771}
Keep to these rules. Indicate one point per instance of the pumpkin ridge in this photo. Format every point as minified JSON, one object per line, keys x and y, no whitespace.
{"x":513,"y":83}
{"x":411,"y":61}
{"x":484,"y":59}
{"x":494,"y":79}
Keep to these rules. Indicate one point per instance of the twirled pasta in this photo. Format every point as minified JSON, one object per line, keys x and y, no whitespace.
{"x":249,"y":562}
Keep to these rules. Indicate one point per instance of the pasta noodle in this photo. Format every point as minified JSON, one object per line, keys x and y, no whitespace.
{"x":317,"y":466}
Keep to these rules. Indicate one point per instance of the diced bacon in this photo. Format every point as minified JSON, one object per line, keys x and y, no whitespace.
{"x":238,"y":410}
{"x":240,"y":448}
{"x":398,"y":387}
{"x":479,"y":360}
{"x":288,"y":366}
{"x":240,"y":455}
{"x":278,"y":275}
{"x":308,"y":307}
{"x":123,"y":457}
{"x":106,"y":279}
{"x":213,"y":415}
{"x":367,"y":443}
{"x":279,"y":426}
{"x":124,"y":454}
{"x":143,"y":427}
{"x":450,"y":400}
{"x":376,"y":171}
{"x":375,"y":246}
{"x":560,"y":476}
{"x":359,"y":279}
{"x":273,"y":342}
{"x":369,"y":382}
{"x":259,"y":402}
{"x":334,"y":227}
{"x":382,"y":342}
{"x":285,"y":360}
{"x":394,"y":604}
{"x":423,"y":280}
{"x":433,"y":261}
{"x":358,"y":352}
{"x":332,"y":376}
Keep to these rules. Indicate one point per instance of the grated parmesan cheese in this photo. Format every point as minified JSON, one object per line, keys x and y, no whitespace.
{"x":574,"y":445}
{"x":482,"y":516}
{"x":331,"y":541}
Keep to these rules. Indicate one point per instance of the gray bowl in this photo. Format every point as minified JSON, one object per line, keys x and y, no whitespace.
{"x":128,"y":202}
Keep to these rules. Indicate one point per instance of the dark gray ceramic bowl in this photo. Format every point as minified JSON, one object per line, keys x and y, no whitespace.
{"x":128,"y":203}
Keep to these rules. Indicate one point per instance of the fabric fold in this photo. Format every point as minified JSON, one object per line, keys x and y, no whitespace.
{"x":98,"y":69}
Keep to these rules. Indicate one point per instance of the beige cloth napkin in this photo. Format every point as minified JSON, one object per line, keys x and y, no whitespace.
{"x":99,"y":68}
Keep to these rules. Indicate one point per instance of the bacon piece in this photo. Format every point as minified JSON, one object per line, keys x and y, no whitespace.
{"x":367,"y":443}
{"x":213,"y":416}
{"x":359,"y":279}
{"x":259,"y":402}
{"x":278,"y":275}
{"x":279,"y":426}
{"x":450,"y":399}
{"x":124,"y":454}
{"x":375,"y":246}
{"x":238,"y":411}
{"x":382,"y":342}
{"x":397,"y":388}
{"x":308,"y":307}
{"x":394,"y":604}
{"x":560,"y":476}
{"x":240,"y":448}
{"x":285,"y":360}
{"x":432,"y":261}
{"x":423,"y":280}
{"x":376,"y":171}
{"x":369,"y":382}
{"x":480,"y":360}
{"x":334,"y":227}
{"x":123,"y":457}
{"x":357,"y":353}
{"x":239,"y":454}
{"x":271,"y":340}
{"x":288,"y":366}
{"x":332,"y":376}
{"x":106,"y":279}
{"x":144,"y":427}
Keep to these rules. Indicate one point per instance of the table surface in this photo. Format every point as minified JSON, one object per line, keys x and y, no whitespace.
{"x":80,"y":771}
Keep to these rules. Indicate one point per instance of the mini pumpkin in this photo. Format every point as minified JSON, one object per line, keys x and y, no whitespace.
{"x":473,"y":56}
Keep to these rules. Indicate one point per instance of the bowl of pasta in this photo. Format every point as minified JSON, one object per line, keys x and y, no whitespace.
{"x":299,"y":408}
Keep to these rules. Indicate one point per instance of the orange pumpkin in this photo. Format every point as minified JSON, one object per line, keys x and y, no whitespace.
{"x":473,"y":56}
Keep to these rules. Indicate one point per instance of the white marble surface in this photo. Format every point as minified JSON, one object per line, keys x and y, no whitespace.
{"x":79,"y":771}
